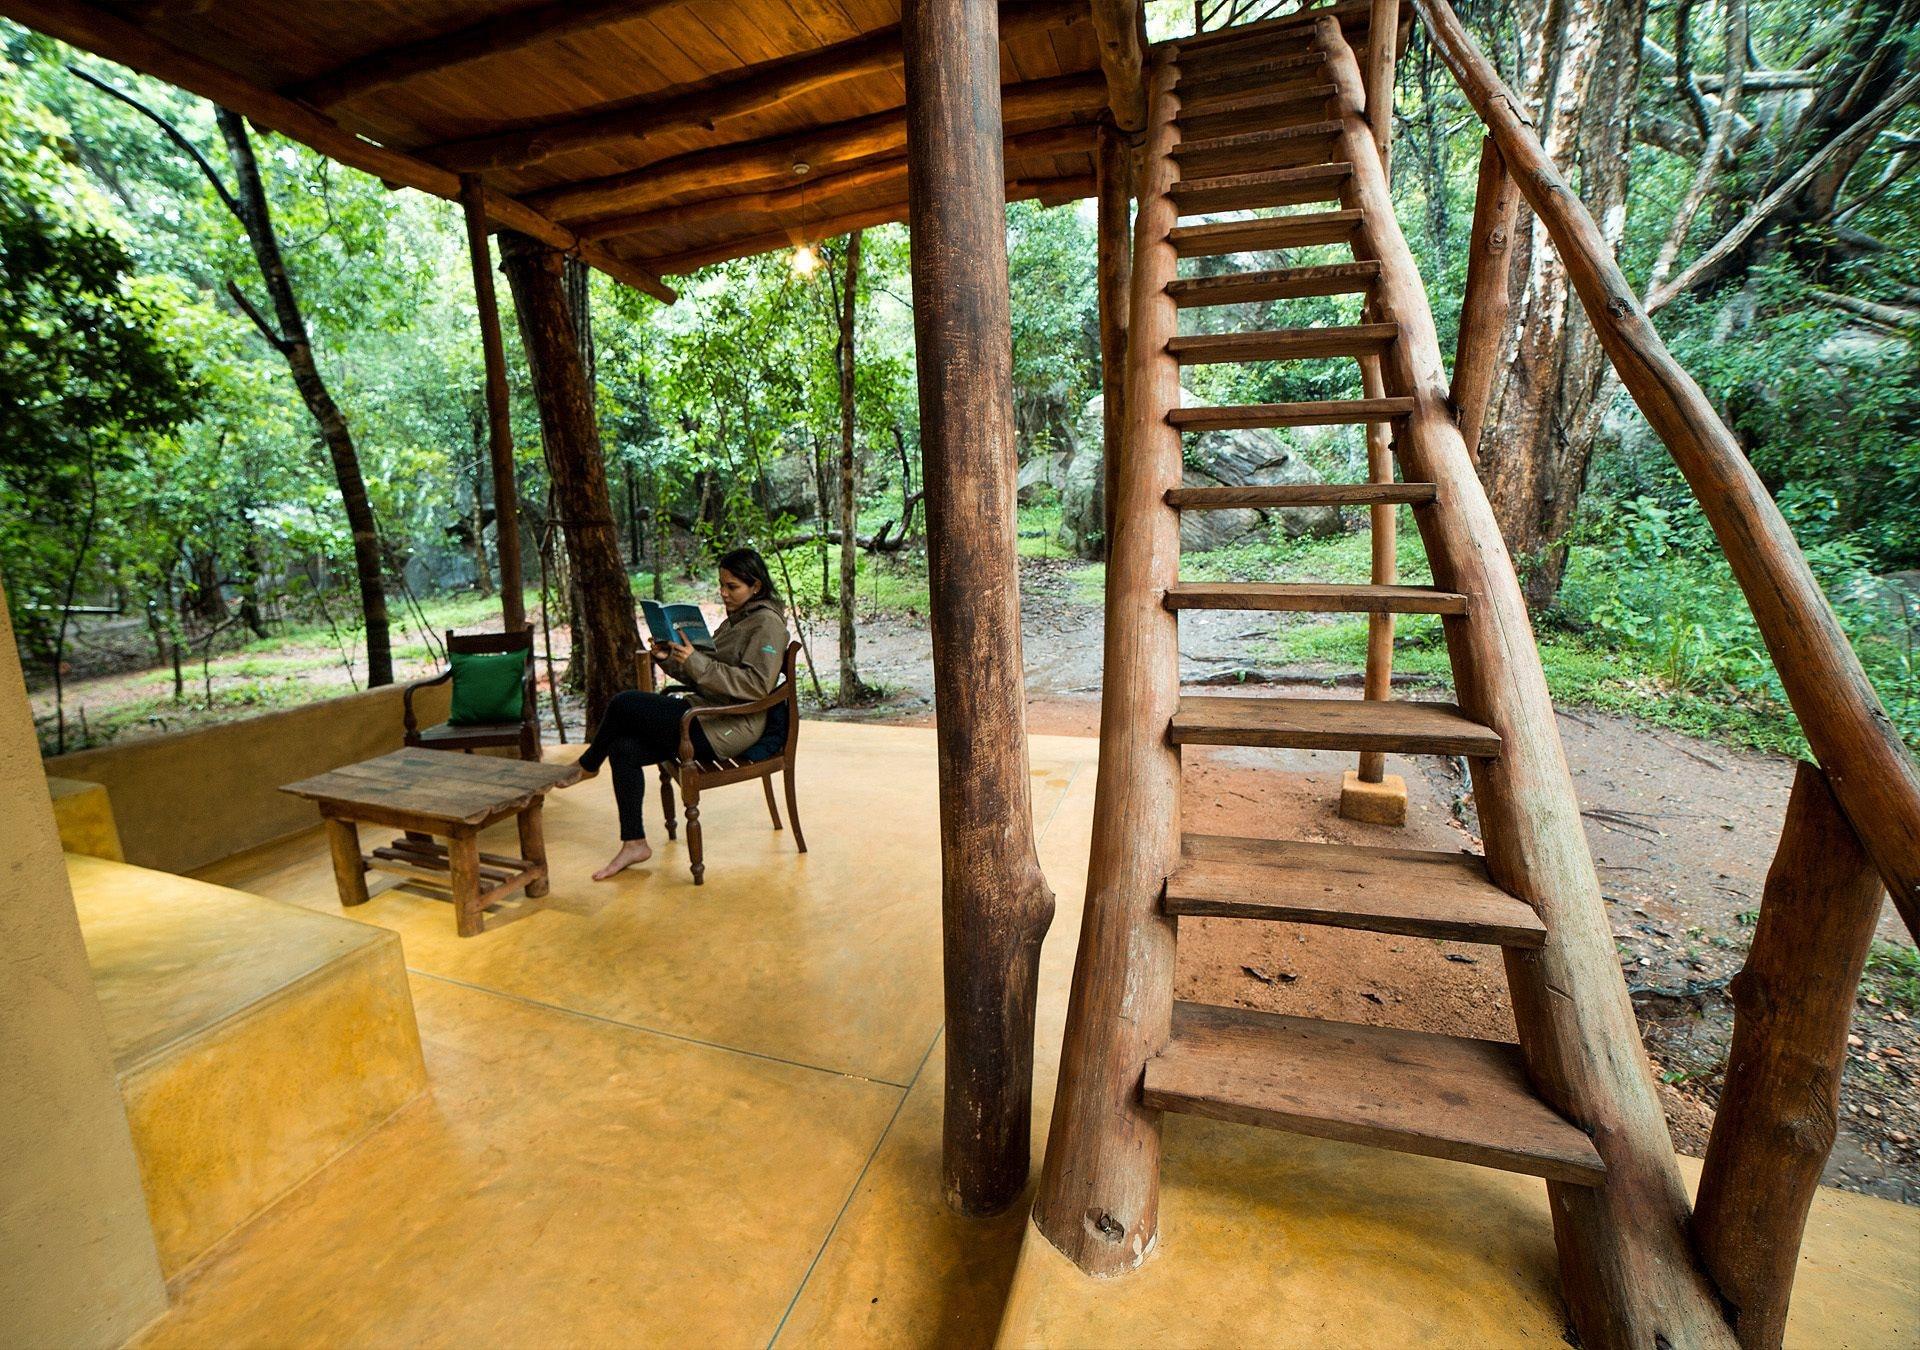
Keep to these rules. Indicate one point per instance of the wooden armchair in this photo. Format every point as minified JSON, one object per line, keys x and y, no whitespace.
{"x":771,"y":754}
{"x":523,"y":735}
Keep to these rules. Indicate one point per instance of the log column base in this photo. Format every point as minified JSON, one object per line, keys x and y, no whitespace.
{"x":1381,"y":803}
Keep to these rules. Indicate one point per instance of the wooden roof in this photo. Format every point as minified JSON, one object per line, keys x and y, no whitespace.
{"x":649,"y":136}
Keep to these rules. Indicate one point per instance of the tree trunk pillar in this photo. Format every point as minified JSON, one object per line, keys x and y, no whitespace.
{"x":996,"y":904}
{"x":506,"y":502}
{"x":1780,"y":1109}
{"x":607,"y":635}
{"x":1114,"y":188}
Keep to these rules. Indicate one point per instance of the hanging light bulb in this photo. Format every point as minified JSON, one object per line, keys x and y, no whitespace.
{"x":805,"y":261}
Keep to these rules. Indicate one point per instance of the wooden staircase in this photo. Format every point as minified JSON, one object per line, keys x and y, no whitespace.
{"x":1274,"y":122}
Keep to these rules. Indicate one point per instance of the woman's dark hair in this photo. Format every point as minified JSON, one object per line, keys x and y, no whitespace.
{"x":751,"y":568}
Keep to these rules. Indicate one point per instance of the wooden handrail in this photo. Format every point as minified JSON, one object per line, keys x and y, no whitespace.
{"x":1872,"y":775}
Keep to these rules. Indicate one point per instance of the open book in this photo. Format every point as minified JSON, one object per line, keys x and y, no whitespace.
{"x":676,"y":623}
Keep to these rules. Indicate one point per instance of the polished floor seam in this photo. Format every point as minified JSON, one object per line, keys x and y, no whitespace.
{"x":852,"y":1192}
{"x":656,"y":1031}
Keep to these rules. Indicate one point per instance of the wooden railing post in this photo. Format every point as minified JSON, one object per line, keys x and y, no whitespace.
{"x":1871,"y":771}
{"x":1780,"y":1108}
{"x":1383,"y":36}
{"x":1100,"y":1188}
{"x":506,"y":504}
{"x":995,"y":902}
{"x":1483,"y":308}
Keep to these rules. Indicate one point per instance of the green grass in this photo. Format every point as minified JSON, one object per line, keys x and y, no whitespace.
{"x":1893,"y":975}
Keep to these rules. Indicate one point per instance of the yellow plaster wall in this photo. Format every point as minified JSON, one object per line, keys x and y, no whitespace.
{"x":77,"y":1259}
{"x":193,"y":797}
{"x":84,"y":813}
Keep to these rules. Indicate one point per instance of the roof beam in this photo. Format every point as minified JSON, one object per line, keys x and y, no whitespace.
{"x":876,"y":136}
{"x":1068,"y":140}
{"x":498,"y":36}
{"x":1049,"y":191}
{"x":107,"y":35}
{"x":1121,"y":27}
{"x":702,"y":105}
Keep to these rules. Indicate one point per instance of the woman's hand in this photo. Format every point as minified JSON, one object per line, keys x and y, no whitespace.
{"x":672,"y":654}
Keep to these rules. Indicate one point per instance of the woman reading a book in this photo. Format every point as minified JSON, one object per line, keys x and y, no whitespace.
{"x":741,"y":665}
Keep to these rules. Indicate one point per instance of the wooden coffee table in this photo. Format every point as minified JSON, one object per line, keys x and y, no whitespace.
{"x":428,"y":793}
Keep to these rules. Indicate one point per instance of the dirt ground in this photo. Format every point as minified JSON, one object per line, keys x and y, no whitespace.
{"x":1682,"y":832}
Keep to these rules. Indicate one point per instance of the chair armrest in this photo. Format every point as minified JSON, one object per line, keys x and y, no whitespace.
{"x":776,"y":696}
{"x":406,"y":697}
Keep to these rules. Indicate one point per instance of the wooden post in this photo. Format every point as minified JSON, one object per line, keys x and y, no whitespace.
{"x":1626,"y":1260}
{"x":1780,"y":1108}
{"x":995,"y":902}
{"x":1114,"y":186}
{"x":1100,"y":1191}
{"x":1383,"y":37}
{"x":506,"y":502}
{"x":1387,"y":803}
{"x":608,"y":636}
{"x":1483,"y":308}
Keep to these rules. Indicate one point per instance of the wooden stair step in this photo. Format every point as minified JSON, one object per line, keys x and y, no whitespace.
{"x":1282,"y":495}
{"x":1252,"y":191}
{"x":1353,"y":16}
{"x":1283,"y":344}
{"x":1313,"y":597}
{"x":1264,"y":110}
{"x":1203,"y":84}
{"x":1285,"y":283}
{"x":1411,"y":892}
{"x":1389,"y":725}
{"x":1272,"y":232}
{"x":1315,"y":413}
{"x":1411,"y":1091}
{"x":1255,"y":150}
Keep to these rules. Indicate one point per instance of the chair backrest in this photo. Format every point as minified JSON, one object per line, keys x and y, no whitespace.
{"x":513,"y":640}
{"x":791,"y":708}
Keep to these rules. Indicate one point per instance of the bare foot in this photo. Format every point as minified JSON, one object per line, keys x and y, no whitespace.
{"x":632,"y":852}
{"x":580,"y":775}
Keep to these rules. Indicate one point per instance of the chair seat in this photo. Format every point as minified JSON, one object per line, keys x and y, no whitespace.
{"x":502,"y":733}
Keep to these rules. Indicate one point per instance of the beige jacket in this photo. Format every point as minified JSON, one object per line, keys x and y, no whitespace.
{"x":743,"y":666}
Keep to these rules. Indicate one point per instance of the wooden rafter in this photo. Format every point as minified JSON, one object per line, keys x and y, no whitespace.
{"x":879,"y":135}
{"x":497,"y":36}
{"x":107,"y":35}
{"x":1047,"y":191}
{"x":702,"y":105}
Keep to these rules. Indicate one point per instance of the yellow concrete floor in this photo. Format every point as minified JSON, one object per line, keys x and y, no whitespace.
{"x":662,"y":1115}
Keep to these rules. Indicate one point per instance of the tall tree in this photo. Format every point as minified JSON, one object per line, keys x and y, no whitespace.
{"x":1580,"y":67}
{"x":287,"y":334}
{"x":851,"y":688}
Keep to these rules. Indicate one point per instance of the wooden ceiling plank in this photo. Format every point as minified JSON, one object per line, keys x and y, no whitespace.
{"x":107,"y":35}
{"x":824,"y":195}
{"x":1049,"y":192}
{"x":504,"y":33}
{"x":880,"y":134}
{"x":758,"y":87}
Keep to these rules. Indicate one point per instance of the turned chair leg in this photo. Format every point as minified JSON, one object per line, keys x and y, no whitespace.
{"x":692,"y":793}
{"x":793,"y":807}
{"x":772,"y":810}
{"x":666,"y":799}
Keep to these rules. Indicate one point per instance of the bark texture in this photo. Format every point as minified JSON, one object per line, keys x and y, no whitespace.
{"x":1581,"y":65}
{"x":996,"y":905}
{"x":288,"y":334}
{"x":605,"y":635}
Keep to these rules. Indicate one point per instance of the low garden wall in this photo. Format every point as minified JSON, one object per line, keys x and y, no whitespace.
{"x":189,"y":798}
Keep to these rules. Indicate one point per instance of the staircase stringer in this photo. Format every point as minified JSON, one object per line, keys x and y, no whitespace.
{"x":1099,"y":1195}
{"x":1628,"y":1268}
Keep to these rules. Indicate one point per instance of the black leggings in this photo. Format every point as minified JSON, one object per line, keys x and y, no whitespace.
{"x":639,"y":729}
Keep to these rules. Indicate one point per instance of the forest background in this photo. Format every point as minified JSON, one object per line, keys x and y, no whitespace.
{"x":179,"y":508}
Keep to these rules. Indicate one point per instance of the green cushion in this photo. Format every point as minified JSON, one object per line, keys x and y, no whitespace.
{"x":487,"y":687}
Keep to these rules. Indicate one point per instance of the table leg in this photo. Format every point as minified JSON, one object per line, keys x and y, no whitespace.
{"x":533,"y":846}
{"x":349,"y":868}
{"x":463,"y":858}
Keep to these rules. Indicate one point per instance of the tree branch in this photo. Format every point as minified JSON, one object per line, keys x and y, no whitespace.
{"x":1709,"y":264}
{"x":1902,"y":319}
{"x":274,"y":339}
{"x":1710,"y":157}
{"x":173,"y":133}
